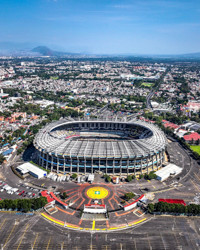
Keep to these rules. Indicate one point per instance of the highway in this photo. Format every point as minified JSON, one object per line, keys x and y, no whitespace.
{"x":152,"y":93}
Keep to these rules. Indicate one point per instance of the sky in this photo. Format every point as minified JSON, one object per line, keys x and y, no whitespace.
{"x":103,"y":26}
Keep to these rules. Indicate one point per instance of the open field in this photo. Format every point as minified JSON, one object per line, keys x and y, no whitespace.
{"x":147,"y":84}
{"x":195,"y":148}
{"x":54,"y":77}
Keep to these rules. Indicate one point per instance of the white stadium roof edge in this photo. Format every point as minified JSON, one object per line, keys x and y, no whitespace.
{"x":153,"y":141}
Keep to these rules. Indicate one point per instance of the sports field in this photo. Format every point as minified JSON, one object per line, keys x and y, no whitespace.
{"x":147,"y":84}
{"x":54,"y":77}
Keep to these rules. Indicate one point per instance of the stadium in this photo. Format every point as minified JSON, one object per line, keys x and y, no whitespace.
{"x":110,"y":146}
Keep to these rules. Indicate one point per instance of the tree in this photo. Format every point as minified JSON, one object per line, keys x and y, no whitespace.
{"x":141,"y":176}
{"x":64,"y":195}
{"x":152,"y":175}
{"x":150,"y":207}
{"x":129,"y":196}
{"x":2,"y":158}
{"x":108,"y":179}
{"x":129,"y":178}
{"x":74,"y":176}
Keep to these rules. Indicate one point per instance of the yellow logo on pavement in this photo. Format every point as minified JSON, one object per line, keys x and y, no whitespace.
{"x":97,"y":193}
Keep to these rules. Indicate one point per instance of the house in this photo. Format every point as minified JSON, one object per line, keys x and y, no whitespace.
{"x":192,"y":138}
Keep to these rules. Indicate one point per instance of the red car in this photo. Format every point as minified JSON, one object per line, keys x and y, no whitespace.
{"x":21,"y":192}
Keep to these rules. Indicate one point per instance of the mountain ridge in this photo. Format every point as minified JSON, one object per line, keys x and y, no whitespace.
{"x":23,"y":49}
{"x":45,"y":51}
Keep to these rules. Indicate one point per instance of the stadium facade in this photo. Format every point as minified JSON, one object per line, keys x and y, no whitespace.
{"x":108,"y":146}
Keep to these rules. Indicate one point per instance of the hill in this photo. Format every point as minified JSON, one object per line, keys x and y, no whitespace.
{"x":45,"y":51}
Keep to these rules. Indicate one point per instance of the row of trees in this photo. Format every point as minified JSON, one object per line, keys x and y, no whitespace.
{"x":150,"y":176}
{"x":167,"y":116}
{"x":164,"y":207}
{"x":129,"y":178}
{"x":24,"y":205}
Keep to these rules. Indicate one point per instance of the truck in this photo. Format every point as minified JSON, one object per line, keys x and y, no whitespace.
{"x":90,"y":178}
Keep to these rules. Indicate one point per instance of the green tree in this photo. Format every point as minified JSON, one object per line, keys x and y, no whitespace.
{"x":150,"y":207}
{"x":129,"y":196}
{"x":2,"y":158}
{"x":74,"y":176}
{"x":129,"y":178}
{"x":108,"y":178}
{"x":64,"y":195}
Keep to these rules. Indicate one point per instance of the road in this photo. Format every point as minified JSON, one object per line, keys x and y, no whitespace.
{"x":151,"y":94}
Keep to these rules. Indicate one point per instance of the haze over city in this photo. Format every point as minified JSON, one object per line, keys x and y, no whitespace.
{"x":111,"y":27}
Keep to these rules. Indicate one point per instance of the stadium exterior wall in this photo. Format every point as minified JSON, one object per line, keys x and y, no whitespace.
{"x":109,"y":164}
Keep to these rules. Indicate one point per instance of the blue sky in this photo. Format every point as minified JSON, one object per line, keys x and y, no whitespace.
{"x":104,"y":26}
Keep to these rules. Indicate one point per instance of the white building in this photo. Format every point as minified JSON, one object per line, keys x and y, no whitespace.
{"x":165,"y":172}
{"x":32,"y":170}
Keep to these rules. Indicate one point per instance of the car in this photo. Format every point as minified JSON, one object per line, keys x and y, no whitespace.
{"x":2,"y":190}
{"x":33,"y":194}
{"x":21,"y":193}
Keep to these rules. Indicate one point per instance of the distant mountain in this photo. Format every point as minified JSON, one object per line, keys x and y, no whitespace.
{"x":167,"y":56}
{"x":45,"y":51}
{"x":25,"y":49}
{"x":191,"y":55}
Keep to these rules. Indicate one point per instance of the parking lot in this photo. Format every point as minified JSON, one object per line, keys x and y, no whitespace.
{"x":19,"y":191}
{"x":32,"y":232}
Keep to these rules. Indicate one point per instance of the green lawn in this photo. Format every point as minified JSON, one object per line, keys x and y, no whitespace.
{"x":196,"y":149}
{"x":147,"y":84}
{"x":54,"y":77}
